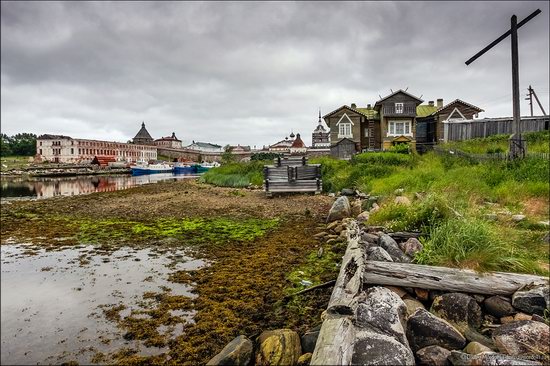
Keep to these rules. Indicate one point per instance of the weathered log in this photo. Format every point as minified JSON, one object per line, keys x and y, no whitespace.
{"x":335,"y":342}
{"x":447,"y":279}
{"x":404,"y":235}
{"x":350,"y":280}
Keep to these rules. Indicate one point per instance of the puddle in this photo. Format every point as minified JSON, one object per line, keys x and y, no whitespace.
{"x":52,"y":301}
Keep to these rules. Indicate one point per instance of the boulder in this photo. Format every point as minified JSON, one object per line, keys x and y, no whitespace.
{"x":412,"y":305}
{"x":278,"y":347}
{"x":305,"y":359}
{"x":339,"y":210}
{"x":498,"y":306}
{"x":374,"y":208}
{"x":425,"y":329}
{"x":363,"y":216}
{"x":237,"y":352}
{"x":347,"y":192}
{"x":433,"y":356}
{"x":459,"y":309}
{"x":369,"y":238}
{"x":411,"y":247}
{"x":524,"y":337}
{"x":522,"y":316}
{"x":383,"y":310}
{"x":356,"y":208}
{"x":473,"y":348}
{"x":402,"y":200}
{"x":374,"y":348}
{"x":378,"y":254}
{"x":488,"y":359}
{"x":474,"y":336}
{"x":390,"y":246}
{"x":532,"y":300}
{"x":458,"y":358}
{"x":309,"y":340}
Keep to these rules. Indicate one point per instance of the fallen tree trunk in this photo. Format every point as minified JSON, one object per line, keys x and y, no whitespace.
{"x":326,"y":284}
{"x":447,"y":279}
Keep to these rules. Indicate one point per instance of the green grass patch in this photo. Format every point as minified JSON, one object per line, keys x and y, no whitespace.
{"x":13,"y":162}
{"x":237,"y":175}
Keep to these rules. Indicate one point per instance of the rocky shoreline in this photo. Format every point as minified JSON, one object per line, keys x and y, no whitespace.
{"x":392,"y":325}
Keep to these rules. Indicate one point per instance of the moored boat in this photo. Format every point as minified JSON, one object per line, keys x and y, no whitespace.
{"x":151,"y":169}
{"x":184,"y":168}
{"x":203,"y":167}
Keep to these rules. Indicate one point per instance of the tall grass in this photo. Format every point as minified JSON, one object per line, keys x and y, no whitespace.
{"x":536,"y":142}
{"x":236,"y":175}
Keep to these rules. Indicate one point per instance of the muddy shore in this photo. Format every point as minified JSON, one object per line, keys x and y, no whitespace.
{"x":258,"y":250}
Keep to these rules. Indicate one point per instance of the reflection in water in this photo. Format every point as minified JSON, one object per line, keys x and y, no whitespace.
{"x":51,"y":302}
{"x":70,"y":186}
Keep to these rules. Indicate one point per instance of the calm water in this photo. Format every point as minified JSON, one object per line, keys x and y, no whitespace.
{"x":51,"y":301}
{"x":17,"y":188}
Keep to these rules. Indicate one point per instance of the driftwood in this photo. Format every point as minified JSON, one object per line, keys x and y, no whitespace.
{"x":335,"y":342}
{"x":350,"y":280}
{"x":326,"y":284}
{"x":446,"y":279}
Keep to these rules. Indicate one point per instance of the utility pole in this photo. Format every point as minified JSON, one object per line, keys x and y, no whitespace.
{"x":530,"y":98}
{"x":538,"y":102}
{"x":517,"y":144}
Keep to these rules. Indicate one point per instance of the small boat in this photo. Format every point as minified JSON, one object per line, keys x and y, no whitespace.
{"x":151,"y":169}
{"x":185,"y":168}
{"x":203,"y":167}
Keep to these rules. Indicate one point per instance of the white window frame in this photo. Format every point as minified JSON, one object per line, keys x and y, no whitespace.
{"x":399,"y":108}
{"x":345,"y":127}
{"x":366,"y":132}
{"x":407,"y":125}
{"x":462,"y":118}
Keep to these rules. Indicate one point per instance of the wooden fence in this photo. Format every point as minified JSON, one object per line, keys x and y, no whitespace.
{"x":484,"y":157}
{"x":470,"y":129}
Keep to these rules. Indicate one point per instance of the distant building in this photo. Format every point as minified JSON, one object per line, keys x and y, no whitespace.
{"x":65,"y":149}
{"x":170,"y":142}
{"x":320,"y":137}
{"x":298,"y":146}
{"x":143,"y":137}
{"x":282,"y":146}
{"x":239,"y":148}
{"x":205,"y":147}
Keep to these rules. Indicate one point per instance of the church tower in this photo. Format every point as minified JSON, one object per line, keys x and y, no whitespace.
{"x":320,"y":137}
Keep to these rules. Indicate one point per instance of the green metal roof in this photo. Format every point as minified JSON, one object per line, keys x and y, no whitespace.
{"x":424,"y":110}
{"x":369,"y":112}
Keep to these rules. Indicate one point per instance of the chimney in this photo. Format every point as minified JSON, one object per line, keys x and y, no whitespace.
{"x":439,"y":103}
{"x":353,"y":105}
{"x":431,"y":103}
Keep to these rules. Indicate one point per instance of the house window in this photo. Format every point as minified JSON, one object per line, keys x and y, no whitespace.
{"x":72,"y":151}
{"x":399,"y":128}
{"x":40,"y":151}
{"x":366,"y":132}
{"x":344,"y":130}
{"x":398,"y":107}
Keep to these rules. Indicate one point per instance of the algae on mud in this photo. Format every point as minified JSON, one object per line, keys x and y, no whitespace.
{"x":255,"y":247}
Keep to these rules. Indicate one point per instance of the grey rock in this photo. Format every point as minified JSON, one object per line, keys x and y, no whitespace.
{"x":474,"y":336}
{"x":498,"y":359}
{"x":383,"y":310}
{"x":533,"y":300}
{"x":412,"y":306}
{"x":473,"y":348}
{"x":332,"y":194}
{"x":363,"y":216}
{"x":498,"y":306}
{"x":539,"y":318}
{"x":518,"y":218}
{"x":524,"y":337}
{"x":367,"y":204}
{"x":390,"y":246}
{"x":425,"y":329}
{"x":370,"y":238}
{"x":479,"y":298}
{"x":374,"y":348}
{"x":433,"y":356}
{"x":411,"y":247}
{"x":356,"y":208}
{"x":374,"y":208}
{"x":459,"y":309}
{"x":378,"y":254}
{"x":458,"y":358}
{"x":339,"y":210}
{"x":347,"y":192}
{"x":402,"y":200}
{"x":491,"y":217}
{"x":237,"y":352}
{"x":309,"y":339}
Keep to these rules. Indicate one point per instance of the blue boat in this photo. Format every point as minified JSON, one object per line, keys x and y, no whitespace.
{"x":184,"y":168}
{"x":151,"y":169}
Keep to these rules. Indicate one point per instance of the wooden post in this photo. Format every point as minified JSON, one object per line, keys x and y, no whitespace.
{"x":517,"y":148}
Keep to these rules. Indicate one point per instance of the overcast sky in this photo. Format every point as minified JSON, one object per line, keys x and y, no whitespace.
{"x":248,"y":72}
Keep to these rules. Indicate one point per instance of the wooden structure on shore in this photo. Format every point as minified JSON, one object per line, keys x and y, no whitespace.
{"x":292,"y":174}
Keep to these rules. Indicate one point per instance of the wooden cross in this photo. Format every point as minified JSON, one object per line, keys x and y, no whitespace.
{"x":517,"y":144}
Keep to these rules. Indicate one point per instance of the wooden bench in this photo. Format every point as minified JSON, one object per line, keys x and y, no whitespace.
{"x":292,"y":174}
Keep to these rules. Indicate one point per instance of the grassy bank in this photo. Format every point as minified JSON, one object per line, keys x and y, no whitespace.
{"x":464,"y":207}
{"x":536,"y":142}
{"x":13,"y":162}
{"x":237,"y":175}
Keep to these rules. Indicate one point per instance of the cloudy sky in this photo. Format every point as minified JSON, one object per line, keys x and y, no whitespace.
{"x":247,"y":72}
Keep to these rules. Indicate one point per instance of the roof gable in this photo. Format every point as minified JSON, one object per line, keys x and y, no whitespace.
{"x":400,"y":91}
{"x":143,"y":133}
{"x":358,"y":111}
{"x":458,"y":101}
{"x":348,"y":120}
